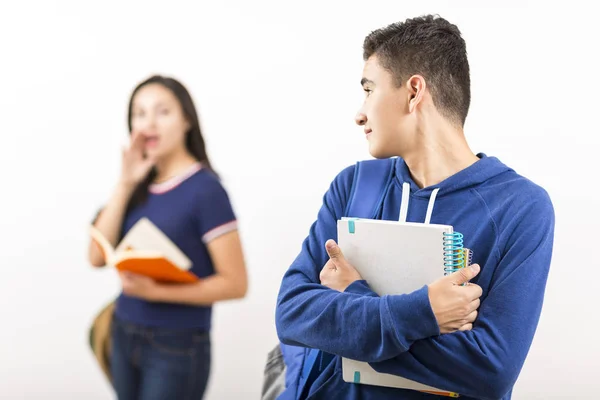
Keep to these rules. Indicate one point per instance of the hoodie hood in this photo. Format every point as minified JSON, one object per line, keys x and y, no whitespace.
{"x":472,"y":176}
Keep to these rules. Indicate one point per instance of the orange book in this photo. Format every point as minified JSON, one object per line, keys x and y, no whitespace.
{"x":146,"y":250}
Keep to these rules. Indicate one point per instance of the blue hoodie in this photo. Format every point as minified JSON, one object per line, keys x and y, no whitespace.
{"x":505,"y":218}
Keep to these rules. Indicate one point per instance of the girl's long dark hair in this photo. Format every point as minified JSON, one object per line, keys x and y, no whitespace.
{"x":194,"y":141}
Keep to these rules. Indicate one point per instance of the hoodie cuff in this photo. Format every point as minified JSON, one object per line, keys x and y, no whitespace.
{"x":411,"y":317}
{"x":360,"y":287}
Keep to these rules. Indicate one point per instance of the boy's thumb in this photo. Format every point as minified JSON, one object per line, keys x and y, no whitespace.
{"x":464,"y":275}
{"x":334,"y":251}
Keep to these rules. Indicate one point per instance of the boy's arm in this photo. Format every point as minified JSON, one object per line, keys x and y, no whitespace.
{"x":349,"y":324}
{"x":486,"y":361}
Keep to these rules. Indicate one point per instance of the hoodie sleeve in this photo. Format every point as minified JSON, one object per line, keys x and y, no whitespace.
{"x":485,"y":362}
{"x":357,"y":323}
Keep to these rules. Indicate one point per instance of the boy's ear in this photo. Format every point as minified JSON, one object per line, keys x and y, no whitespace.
{"x":416,"y":86}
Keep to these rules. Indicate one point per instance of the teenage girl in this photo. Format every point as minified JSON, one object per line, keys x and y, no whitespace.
{"x":160,"y":332}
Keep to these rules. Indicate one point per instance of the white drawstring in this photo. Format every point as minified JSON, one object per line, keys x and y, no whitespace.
{"x":406,"y":198}
{"x":430,"y":205}
{"x":404,"y":202}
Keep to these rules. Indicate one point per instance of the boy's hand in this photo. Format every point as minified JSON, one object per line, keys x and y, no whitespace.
{"x":454,"y":305}
{"x":337,"y":273}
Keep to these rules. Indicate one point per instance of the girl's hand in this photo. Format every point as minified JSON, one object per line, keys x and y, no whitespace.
{"x":135,"y":165}
{"x":139,"y":286}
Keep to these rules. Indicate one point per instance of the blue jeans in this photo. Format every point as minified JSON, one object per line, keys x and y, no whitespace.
{"x":150,"y":363}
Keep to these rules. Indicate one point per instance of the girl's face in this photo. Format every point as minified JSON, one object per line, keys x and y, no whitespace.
{"x":157,"y":116}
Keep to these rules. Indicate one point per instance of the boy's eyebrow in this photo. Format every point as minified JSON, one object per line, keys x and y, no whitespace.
{"x":364,"y":81}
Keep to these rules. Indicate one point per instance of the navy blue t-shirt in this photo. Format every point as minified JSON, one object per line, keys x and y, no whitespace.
{"x":191,"y":209}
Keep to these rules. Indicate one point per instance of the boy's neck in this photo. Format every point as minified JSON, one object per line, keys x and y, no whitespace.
{"x":439,"y":151}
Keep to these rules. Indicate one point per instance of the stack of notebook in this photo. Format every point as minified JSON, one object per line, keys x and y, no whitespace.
{"x":398,"y":258}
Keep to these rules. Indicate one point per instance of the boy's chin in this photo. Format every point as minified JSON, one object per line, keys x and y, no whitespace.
{"x":379,"y":153}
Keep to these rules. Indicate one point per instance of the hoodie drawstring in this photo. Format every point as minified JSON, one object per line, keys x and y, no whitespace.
{"x":406,"y":198}
{"x":430,"y":205}
{"x":404,"y":202}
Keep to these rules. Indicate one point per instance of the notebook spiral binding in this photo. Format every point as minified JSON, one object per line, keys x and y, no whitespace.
{"x":468,"y":256}
{"x":454,"y":256}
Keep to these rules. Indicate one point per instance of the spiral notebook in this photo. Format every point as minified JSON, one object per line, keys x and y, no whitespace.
{"x":397,"y":258}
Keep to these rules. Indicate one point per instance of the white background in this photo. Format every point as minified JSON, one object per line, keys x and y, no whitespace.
{"x":277,"y":86}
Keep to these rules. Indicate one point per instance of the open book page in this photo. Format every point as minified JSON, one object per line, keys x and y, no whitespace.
{"x":138,"y":253}
{"x":144,"y":235}
{"x":107,"y":249}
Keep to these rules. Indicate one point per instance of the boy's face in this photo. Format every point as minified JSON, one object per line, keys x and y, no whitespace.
{"x":385,"y":112}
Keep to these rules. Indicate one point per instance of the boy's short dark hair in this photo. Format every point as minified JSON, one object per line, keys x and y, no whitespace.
{"x":432,"y":47}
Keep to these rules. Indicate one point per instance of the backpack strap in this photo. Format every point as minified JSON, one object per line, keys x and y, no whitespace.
{"x":369,"y":187}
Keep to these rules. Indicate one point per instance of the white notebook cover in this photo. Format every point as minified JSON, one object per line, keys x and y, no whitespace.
{"x":394,"y":258}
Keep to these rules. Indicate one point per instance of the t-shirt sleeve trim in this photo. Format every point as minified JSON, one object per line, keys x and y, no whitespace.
{"x":219,"y":231}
